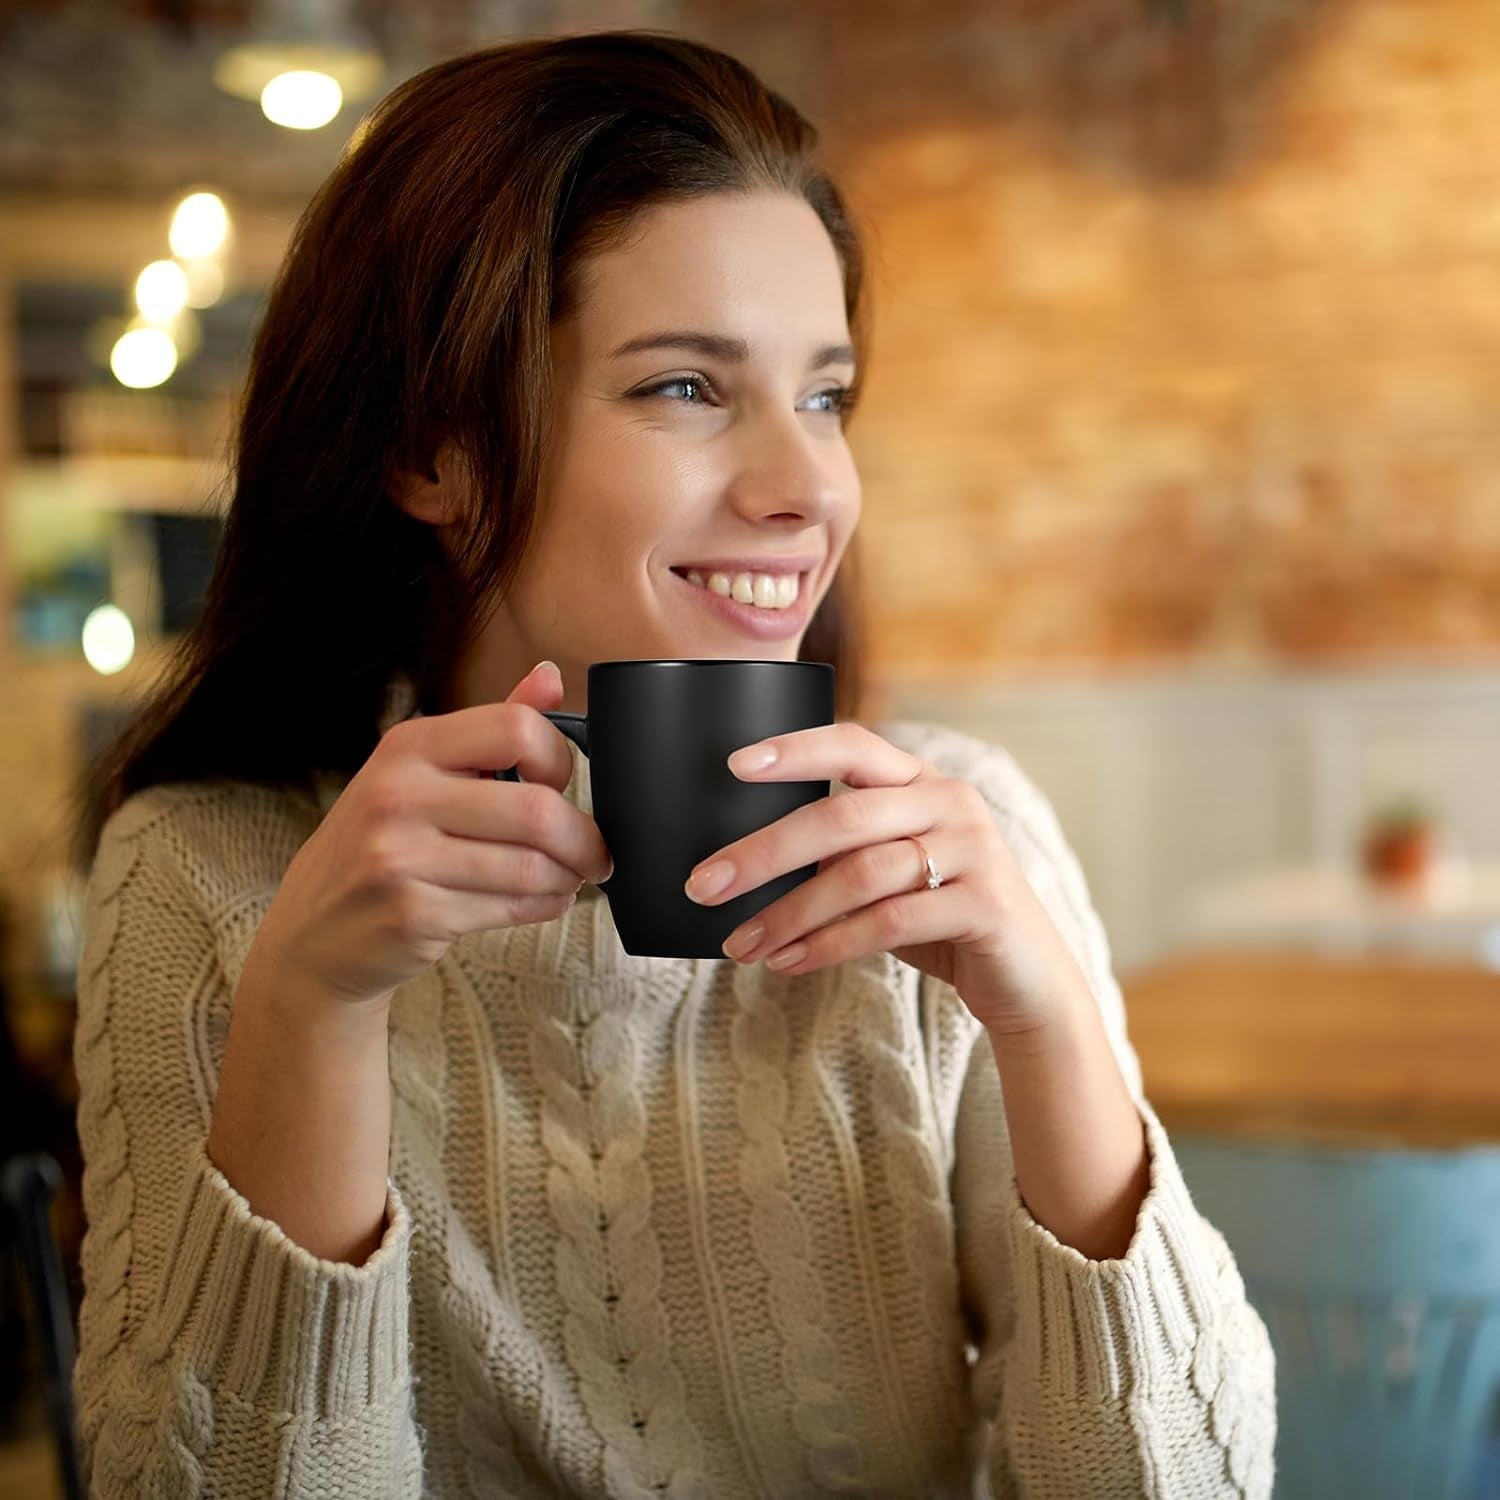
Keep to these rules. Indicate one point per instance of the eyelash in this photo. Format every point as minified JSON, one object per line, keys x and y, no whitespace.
{"x":842,"y":392}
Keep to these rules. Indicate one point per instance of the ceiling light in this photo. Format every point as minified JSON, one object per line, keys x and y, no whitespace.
{"x":302,"y":37}
{"x":301,"y":100}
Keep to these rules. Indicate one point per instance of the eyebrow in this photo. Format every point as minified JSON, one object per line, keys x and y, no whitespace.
{"x":719,"y":346}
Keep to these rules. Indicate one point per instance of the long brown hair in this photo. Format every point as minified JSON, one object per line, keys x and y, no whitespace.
{"x":414,"y":306}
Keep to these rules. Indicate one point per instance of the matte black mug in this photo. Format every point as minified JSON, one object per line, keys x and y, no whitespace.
{"x":657,"y":735}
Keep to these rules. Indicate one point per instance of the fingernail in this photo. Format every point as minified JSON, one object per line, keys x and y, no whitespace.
{"x":743,"y":943}
{"x":538,"y":667}
{"x":753,"y":758}
{"x":710,"y":880}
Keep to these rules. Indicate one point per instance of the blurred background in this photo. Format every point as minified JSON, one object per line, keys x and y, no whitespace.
{"x":1180,"y":458}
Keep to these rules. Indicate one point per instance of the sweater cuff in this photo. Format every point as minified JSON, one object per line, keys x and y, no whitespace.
{"x":256,"y":1315}
{"x":1106,"y":1330}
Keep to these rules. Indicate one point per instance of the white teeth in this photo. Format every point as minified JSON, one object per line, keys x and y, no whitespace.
{"x":763,"y":590}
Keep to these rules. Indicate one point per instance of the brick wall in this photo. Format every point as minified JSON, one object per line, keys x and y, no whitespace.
{"x":1188,"y":333}
{"x":1187,"y":339}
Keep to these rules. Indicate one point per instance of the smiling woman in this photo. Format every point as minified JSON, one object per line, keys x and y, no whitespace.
{"x":735,"y":466}
{"x":463,"y":345}
{"x":402,"y":1177}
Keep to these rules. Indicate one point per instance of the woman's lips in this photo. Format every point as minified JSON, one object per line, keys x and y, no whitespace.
{"x":762,"y":624}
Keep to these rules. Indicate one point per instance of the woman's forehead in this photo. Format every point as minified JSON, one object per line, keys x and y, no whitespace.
{"x":753,"y":269}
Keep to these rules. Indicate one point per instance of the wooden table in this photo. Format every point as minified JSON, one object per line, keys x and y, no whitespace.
{"x":1303,"y":1047}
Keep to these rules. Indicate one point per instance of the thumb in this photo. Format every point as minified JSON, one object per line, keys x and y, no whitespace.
{"x":541,"y":687}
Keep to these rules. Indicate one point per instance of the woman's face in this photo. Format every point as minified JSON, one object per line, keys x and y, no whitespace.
{"x":697,"y":391}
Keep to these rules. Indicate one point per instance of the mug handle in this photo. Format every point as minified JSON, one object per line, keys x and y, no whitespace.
{"x":575,"y":726}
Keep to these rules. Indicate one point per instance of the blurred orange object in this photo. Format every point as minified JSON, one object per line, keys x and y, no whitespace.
{"x":1398,"y":845}
{"x":1399,"y":856}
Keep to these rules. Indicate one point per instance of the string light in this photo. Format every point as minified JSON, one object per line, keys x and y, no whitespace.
{"x":301,"y":99}
{"x":205,"y":279}
{"x":108,"y":639}
{"x":200,"y":226}
{"x":161,"y":290}
{"x":143,"y":357}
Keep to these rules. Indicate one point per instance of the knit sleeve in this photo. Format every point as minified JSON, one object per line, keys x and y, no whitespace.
{"x":216,"y":1357}
{"x":1147,"y":1377}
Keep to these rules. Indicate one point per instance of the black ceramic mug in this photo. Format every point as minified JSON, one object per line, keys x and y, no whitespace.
{"x":658,"y":735}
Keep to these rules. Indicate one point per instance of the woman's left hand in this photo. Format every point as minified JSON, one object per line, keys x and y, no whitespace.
{"x":983,"y":930}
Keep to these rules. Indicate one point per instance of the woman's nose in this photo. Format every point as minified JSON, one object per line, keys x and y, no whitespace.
{"x":783,"y":469}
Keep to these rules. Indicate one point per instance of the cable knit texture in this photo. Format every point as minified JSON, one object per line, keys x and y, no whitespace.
{"x":655,"y":1227}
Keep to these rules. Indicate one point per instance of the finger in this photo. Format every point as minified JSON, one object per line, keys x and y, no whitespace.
{"x":488,"y":737}
{"x":847,"y":752}
{"x":498,"y":869}
{"x":831,"y":826}
{"x":482,"y":811}
{"x":897,"y":922}
{"x":453,"y":913}
{"x":853,"y":882}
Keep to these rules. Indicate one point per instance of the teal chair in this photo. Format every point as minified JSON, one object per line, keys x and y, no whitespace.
{"x":1377,"y":1275}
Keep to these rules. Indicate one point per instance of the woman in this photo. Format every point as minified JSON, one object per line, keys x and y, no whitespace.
{"x":403,"y":1178}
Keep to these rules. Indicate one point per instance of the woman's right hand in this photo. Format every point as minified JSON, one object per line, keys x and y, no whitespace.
{"x":424,"y":845}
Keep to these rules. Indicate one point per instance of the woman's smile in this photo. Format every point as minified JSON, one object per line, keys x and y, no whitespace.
{"x":783,"y":613}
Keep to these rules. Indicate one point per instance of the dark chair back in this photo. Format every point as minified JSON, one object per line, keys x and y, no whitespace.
{"x":28,"y":1183}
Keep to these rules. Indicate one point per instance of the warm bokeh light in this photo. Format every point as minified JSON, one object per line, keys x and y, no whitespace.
{"x":161,"y":290}
{"x":199,"y":226}
{"x":108,"y":639}
{"x":350,"y":58}
{"x":143,"y":357}
{"x":205,"y":282}
{"x":186,"y":332}
{"x":301,"y":99}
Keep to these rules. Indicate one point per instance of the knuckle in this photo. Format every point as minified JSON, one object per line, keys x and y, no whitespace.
{"x":411,"y":912}
{"x":535,"y":872}
{"x":975,"y":804}
{"x":406,"y":736}
{"x":850,"y":814}
{"x":889,"y":919}
{"x":899,"y":870}
{"x":383,"y":862}
{"x":534,"y":809}
{"x":871,"y":871}
{"x":387,"y":799}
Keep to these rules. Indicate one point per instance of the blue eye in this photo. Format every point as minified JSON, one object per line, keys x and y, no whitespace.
{"x":662,"y":387}
{"x":838,"y":394}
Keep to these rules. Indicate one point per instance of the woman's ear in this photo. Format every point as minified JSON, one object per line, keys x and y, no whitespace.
{"x":433,"y":494}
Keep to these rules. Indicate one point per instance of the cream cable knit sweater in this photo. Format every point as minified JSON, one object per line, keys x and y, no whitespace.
{"x":656,"y":1227}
